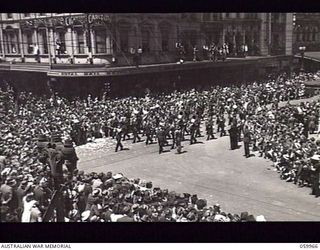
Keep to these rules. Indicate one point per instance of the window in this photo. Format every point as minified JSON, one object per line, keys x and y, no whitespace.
{"x":145,"y":40}
{"x":101,"y":38}
{"x":80,"y":41}
{"x":9,"y":15}
{"x":11,"y":42}
{"x":238,"y":15}
{"x":26,"y":14}
{"x":60,"y":38}
{"x":43,"y":41}
{"x":29,"y":42}
{"x":42,"y":14}
{"x":227,"y":15}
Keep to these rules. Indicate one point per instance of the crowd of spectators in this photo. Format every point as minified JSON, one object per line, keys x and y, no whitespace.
{"x":26,"y":184}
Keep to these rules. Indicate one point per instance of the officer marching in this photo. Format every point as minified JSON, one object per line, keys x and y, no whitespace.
{"x":119,"y":133}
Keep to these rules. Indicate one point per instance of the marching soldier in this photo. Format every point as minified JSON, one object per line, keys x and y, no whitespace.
{"x":70,"y":156}
{"x":233,"y":133}
{"x":148,"y":130}
{"x":135,"y":131}
{"x":246,"y":141}
{"x":193,"y":131}
{"x":161,"y":139}
{"x":178,"y":140}
{"x":118,"y":138}
{"x":209,"y":129}
{"x":222,"y":126}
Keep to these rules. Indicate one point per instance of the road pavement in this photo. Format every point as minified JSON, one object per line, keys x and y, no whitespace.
{"x":212,"y":171}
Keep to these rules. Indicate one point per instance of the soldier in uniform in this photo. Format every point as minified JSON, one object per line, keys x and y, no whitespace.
{"x":118,"y":138}
{"x":148,"y":130}
{"x":315,"y":160}
{"x":222,"y":126}
{"x":192,"y":132}
{"x":135,"y":130}
{"x":161,"y":139}
{"x":209,"y":129}
{"x":246,"y":141}
{"x":70,"y":156}
{"x":178,"y":139}
{"x":233,"y":133}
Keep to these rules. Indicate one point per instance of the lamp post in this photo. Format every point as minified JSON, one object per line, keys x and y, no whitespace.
{"x":302,"y":49}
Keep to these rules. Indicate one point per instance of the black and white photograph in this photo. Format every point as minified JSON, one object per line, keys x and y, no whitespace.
{"x":159,"y":117}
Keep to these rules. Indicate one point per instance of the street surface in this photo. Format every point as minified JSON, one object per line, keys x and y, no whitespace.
{"x":212,"y":171}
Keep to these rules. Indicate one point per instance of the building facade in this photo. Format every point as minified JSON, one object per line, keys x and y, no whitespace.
{"x":306,"y":31}
{"x":108,"y":39}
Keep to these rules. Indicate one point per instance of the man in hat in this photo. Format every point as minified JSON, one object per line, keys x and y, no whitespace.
{"x":8,"y":197}
{"x":161,"y":139}
{"x":315,"y":160}
{"x":177,"y":140}
{"x":42,"y":143}
{"x":42,"y":193}
{"x":55,"y":159}
{"x":57,"y":140}
{"x":209,"y":129}
{"x":118,"y":138}
{"x":135,"y":130}
{"x":246,"y":141}
{"x":70,"y":156}
{"x":193,"y":129}
{"x":233,"y":133}
{"x":148,"y":130}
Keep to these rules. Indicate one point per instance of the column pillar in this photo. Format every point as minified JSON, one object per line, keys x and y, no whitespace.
{"x":52,"y":43}
{"x":263,"y":43}
{"x":68,"y":40}
{"x":85,"y":44}
{"x":21,"y":44}
{"x":288,"y":33}
{"x":2,"y":43}
{"x":93,"y":42}
{"x":223,"y":34}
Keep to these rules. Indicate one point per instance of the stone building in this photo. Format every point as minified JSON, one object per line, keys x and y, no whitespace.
{"x":110,"y":38}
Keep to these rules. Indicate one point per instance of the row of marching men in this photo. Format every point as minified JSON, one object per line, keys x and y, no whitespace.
{"x":175,"y":130}
{"x":55,"y":153}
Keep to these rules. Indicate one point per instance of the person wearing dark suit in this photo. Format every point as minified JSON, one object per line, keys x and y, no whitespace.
{"x":246,"y":141}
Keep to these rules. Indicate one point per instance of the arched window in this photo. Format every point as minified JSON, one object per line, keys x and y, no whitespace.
{"x":61,"y":38}
{"x":79,"y":37}
{"x":27,"y":38}
{"x":11,"y":41}
{"x":43,"y":41}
